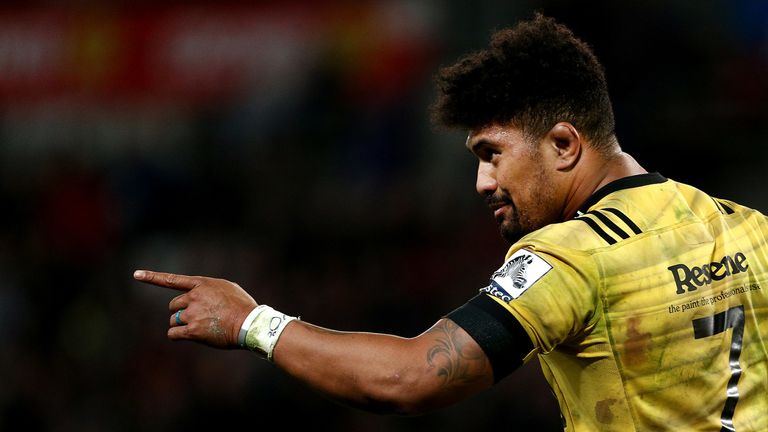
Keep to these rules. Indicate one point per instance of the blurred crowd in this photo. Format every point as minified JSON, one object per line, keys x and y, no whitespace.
{"x":287,"y":146}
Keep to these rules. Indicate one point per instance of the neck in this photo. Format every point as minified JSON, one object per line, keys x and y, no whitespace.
{"x":597,"y":172}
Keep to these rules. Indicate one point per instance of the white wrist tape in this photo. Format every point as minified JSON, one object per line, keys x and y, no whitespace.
{"x":261,"y":330}
{"x":247,"y":324}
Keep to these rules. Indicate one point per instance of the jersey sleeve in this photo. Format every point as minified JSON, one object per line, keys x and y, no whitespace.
{"x":559,"y":304}
{"x":537,"y":300}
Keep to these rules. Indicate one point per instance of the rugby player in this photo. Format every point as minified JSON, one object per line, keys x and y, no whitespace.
{"x":644,"y":299}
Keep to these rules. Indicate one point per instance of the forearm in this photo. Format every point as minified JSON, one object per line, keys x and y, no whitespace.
{"x":381,"y":373}
{"x":385,"y":373}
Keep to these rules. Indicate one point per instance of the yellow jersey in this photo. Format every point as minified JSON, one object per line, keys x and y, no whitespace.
{"x":648,"y":311}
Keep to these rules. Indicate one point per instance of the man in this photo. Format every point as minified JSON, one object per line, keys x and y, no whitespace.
{"x":642,"y":297}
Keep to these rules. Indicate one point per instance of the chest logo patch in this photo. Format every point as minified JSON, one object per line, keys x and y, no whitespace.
{"x":523,"y":269}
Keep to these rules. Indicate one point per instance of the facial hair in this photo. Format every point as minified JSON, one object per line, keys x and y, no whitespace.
{"x":537,"y":212}
{"x":510,"y":227}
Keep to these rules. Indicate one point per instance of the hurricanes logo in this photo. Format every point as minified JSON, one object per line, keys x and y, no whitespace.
{"x":515,"y":270}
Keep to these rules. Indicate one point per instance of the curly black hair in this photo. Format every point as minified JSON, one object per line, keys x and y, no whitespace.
{"x":532,"y":76}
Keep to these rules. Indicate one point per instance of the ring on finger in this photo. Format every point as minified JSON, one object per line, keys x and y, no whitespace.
{"x":178,"y":317}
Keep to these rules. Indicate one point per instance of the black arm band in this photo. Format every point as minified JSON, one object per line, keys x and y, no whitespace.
{"x":498,"y":333}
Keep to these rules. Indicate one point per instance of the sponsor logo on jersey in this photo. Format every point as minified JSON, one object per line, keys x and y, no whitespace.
{"x":518,"y":273}
{"x":691,"y":278}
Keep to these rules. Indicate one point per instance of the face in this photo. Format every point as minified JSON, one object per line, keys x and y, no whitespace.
{"x":513,"y":177}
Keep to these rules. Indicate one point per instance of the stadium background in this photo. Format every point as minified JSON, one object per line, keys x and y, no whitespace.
{"x":286,"y":146}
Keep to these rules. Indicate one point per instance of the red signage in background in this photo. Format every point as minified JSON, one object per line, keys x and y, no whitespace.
{"x":33,"y":54}
{"x":204,"y":52}
{"x":193,"y":54}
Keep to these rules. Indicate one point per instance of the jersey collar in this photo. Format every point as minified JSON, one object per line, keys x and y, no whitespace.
{"x":619,"y":184}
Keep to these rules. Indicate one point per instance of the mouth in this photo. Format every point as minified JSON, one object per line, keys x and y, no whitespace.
{"x":498,"y":209}
{"x":498,"y":203}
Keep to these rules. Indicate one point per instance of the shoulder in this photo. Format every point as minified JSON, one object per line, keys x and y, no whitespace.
{"x":598,"y":228}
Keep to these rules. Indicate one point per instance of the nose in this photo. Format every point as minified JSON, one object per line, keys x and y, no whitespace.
{"x":486,"y":179}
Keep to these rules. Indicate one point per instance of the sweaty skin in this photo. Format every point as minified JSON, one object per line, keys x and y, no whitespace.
{"x":531,"y":185}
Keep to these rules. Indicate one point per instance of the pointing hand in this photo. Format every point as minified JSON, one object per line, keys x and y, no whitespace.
{"x":209,"y":311}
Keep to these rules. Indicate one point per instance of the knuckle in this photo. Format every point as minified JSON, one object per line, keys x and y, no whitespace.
{"x":170,"y":279}
{"x":195,"y":281}
{"x":176,"y":333}
{"x":192,"y":329}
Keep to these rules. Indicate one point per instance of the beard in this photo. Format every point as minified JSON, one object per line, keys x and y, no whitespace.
{"x":511,"y":228}
{"x":538,"y":208}
{"x":514,"y":224}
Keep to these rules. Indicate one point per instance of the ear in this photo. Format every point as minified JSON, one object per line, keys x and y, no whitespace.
{"x":566,"y":143}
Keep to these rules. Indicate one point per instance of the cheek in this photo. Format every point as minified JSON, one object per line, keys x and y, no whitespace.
{"x":532,"y":190}
{"x":510,"y":179}
{"x":545,"y":199}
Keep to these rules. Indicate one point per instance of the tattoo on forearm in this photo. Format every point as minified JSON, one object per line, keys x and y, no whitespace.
{"x":453,"y":360}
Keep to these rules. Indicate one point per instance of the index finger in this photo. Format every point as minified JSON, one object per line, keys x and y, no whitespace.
{"x":167,"y":280}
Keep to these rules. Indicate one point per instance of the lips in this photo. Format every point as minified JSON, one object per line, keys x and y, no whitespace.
{"x":499,"y":209}
{"x":498,"y":204}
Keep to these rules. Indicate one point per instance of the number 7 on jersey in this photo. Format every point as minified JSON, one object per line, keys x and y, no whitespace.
{"x":716,"y":324}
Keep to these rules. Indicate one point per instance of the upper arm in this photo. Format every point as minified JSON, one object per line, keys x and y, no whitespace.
{"x":455,"y":366}
{"x":496,"y":332}
{"x":454,"y":356}
{"x":468,"y":351}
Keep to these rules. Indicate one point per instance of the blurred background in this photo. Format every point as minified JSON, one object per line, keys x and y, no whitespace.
{"x":287,"y":146}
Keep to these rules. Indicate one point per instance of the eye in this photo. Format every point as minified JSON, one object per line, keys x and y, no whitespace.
{"x":488,"y":155}
{"x":486,"y":152}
